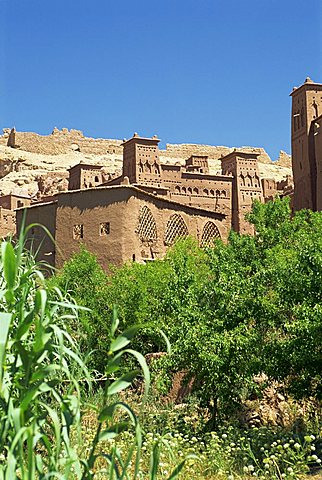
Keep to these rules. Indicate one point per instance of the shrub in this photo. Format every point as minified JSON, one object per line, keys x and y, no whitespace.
{"x":40,"y":369}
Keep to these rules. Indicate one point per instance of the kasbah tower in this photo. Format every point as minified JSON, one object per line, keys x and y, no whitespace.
{"x":306,"y":120}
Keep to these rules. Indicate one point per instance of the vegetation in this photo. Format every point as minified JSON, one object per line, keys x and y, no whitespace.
{"x":249,"y":306}
{"x":71,"y":392}
{"x":40,"y":387}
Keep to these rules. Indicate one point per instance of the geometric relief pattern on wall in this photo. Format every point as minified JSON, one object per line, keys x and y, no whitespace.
{"x":147,"y":228}
{"x":176,"y":228}
{"x":209,"y":235}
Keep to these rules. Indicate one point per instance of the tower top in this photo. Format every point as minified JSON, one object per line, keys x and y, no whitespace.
{"x":137,"y":139}
{"x":308,"y":84}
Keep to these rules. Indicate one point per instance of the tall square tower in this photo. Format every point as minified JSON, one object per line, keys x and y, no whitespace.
{"x":306,"y":108}
{"x":246,"y":186}
{"x":141,"y":163}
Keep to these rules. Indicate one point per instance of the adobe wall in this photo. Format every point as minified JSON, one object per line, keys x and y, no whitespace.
{"x":162,"y":212}
{"x":204,"y":191}
{"x":317,"y":135}
{"x":91,"y":208}
{"x":119,"y":207}
{"x":7,"y":222}
{"x":43,"y":214}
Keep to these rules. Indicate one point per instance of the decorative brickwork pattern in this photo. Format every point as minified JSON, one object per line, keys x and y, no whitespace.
{"x":176,"y":228}
{"x":209,"y":235}
{"x":147,"y":228}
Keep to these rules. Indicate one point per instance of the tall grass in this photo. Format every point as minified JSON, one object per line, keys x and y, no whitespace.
{"x":41,"y":370}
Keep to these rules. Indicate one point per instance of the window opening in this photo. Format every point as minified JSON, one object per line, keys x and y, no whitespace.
{"x":147,"y":228}
{"x":78,"y":231}
{"x":176,"y":228}
{"x":104,"y":229}
{"x":209,"y":235}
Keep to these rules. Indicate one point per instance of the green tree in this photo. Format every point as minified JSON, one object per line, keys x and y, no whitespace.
{"x":86,"y":282}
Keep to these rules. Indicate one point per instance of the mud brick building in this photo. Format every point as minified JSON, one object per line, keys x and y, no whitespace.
{"x":139,"y":214}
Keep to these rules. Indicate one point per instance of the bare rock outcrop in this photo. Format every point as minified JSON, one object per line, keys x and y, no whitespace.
{"x":38,"y":165}
{"x":284,"y":160}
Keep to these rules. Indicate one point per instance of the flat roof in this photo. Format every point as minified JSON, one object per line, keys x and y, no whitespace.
{"x":239,"y":153}
{"x":81,"y":165}
{"x":308,"y":85}
{"x":33,"y":205}
{"x":15,"y":195}
{"x":136,"y":138}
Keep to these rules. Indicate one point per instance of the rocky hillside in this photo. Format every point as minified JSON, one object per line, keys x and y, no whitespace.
{"x":37,"y":165}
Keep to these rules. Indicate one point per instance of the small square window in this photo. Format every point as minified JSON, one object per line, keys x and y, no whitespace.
{"x":78,"y":231}
{"x":104,"y":229}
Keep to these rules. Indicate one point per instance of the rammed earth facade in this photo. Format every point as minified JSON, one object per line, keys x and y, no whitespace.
{"x":137,"y":215}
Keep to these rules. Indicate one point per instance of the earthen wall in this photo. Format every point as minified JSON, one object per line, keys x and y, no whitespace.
{"x":107,"y":222}
{"x":38,"y":240}
{"x":7,"y":222}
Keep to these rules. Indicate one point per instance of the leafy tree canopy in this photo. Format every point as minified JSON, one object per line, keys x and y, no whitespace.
{"x":243,"y":307}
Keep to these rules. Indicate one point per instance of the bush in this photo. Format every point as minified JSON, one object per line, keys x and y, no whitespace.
{"x":40,"y":370}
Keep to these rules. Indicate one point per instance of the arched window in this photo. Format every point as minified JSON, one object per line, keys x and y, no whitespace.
{"x":196,"y":191}
{"x":223,"y":193}
{"x":176,"y":228}
{"x":147,"y":228}
{"x":212,"y":192}
{"x":189,"y":190}
{"x":209,"y":234}
{"x":217,"y":193}
{"x":206,"y":192}
{"x":184,"y":190}
{"x":177,"y":189}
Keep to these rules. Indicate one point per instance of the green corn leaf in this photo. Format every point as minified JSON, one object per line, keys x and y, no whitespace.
{"x":113,"y":364}
{"x":11,"y":466}
{"x":40,"y":301}
{"x":138,"y":438}
{"x":43,"y":372}
{"x":122,"y":383}
{"x":144,"y":367}
{"x":5,"y":320}
{"x":24,"y":326}
{"x":166,"y":341}
{"x":155,"y":460}
{"x":41,"y":337}
{"x":124,"y":339}
{"x":113,"y":431}
{"x":39,"y":464}
{"x":108,"y":412}
{"x":9,"y":264}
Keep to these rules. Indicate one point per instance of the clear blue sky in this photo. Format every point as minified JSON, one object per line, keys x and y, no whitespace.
{"x":192,"y":71}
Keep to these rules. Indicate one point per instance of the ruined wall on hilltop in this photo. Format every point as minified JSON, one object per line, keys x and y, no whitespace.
{"x":65,"y":141}
{"x":61,"y":142}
